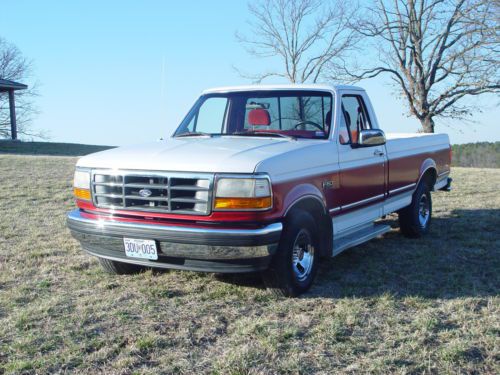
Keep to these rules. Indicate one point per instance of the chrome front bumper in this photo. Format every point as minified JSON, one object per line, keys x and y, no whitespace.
{"x":193,"y":248}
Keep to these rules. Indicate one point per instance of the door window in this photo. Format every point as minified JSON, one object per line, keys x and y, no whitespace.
{"x":354,"y":119}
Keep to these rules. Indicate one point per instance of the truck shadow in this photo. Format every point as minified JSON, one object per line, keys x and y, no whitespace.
{"x":460,"y":257}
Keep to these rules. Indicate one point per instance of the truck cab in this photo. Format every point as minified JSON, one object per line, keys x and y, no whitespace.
{"x":258,"y":178}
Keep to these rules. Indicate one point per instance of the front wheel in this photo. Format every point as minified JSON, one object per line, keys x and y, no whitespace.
{"x":294,"y":266}
{"x":415,"y":220}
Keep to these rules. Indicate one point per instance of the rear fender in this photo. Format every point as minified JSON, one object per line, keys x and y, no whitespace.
{"x":428,"y":166}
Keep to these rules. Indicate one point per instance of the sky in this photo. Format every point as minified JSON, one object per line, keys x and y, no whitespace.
{"x":124,"y":72}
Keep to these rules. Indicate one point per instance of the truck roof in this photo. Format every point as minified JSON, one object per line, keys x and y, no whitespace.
{"x":304,"y":87}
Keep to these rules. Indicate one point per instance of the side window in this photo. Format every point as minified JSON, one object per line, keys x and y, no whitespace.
{"x":355,"y":119}
{"x":211,"y":116}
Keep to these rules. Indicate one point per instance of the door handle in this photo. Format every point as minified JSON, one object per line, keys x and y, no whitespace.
{"x":378,"y":153}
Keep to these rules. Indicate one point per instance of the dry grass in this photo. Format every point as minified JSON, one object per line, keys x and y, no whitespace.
{"x":393,"y":305}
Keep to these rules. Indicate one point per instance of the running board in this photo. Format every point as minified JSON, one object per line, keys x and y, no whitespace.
{"x":359,"y":236}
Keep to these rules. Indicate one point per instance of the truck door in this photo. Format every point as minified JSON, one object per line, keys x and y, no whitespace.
{"x":362,"y":169}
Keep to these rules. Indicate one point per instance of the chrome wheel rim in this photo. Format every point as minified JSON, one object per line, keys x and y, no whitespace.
{"x":303,"y":255}
{"x":424,"y":211}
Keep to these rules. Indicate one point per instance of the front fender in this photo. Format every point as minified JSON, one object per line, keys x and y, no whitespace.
{"x":300,"y":192}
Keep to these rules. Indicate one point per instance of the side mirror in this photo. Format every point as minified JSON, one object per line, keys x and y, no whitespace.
{"x":371,"y":137}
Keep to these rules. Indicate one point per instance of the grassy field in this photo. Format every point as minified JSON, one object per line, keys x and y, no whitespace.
{"x":48,"y":148}
{"x":392,"y":305}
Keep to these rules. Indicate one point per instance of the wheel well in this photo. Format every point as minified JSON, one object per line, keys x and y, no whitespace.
{"x":317,"y":210}
{"x":429,"y":177}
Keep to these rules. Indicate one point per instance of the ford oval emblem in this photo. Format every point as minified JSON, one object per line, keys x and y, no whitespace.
{"x":145,"y":193}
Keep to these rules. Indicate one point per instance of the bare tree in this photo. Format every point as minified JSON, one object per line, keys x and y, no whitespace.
{"x":308,"y":36}
{"x":438,"y":53}
{"x":15,"y":67}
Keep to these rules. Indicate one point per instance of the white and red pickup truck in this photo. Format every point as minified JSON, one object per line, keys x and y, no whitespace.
{"x":258,"y":178}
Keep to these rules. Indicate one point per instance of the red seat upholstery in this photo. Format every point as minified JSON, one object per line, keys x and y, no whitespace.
{"x":259,"y":117}
{"x":354,"y":136}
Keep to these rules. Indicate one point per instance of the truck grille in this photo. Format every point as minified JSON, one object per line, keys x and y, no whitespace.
{"x":178,"y":193}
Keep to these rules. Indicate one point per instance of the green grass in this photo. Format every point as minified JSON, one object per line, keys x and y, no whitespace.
{"x":393,"y":305}
{"x":48,"y":148}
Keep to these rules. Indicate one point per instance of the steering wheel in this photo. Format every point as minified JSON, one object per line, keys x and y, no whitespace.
{"x":312,"y":123}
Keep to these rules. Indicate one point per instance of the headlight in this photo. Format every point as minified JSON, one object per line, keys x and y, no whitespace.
{"x":235,"y":193}
{"x":81,"y":185}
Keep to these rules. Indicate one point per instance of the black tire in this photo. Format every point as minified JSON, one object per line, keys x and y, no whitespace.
{"x":295,"y":264}
{"x":119,"y":268}
{"x":415,"y":220}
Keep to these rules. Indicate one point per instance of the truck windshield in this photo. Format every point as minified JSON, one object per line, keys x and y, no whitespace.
{"x":298,"y":114}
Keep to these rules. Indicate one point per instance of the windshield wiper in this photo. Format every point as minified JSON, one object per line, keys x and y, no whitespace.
{"x":266,"y":134}
{"x":193,"y":134}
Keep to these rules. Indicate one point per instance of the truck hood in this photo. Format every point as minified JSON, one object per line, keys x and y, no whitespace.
{"x":195,"y":154}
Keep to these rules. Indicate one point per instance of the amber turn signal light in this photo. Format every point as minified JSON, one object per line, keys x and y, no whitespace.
{"x":243,"y":203}
{"x":82,"y":194}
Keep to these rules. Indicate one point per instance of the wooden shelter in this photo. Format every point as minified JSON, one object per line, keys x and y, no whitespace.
{"x":10,"y":87}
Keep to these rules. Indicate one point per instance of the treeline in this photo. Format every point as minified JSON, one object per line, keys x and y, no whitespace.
{"x":48,"y":148}
{"x":480,"y":155}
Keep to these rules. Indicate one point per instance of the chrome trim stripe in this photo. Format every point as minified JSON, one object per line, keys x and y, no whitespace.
{"x":76,"y":216}
{"x":394,"y":191}
{"x":335,"y":209}
{"x":346,"y":222}
{"x":359,"y":203}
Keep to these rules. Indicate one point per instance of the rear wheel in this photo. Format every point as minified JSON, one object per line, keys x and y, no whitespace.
{"x":415,"y":220}
{"x":119,"y":268}
{"x":294,"y":266}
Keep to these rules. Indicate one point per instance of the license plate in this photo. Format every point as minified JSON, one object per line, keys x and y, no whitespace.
{"x":145,"y":249}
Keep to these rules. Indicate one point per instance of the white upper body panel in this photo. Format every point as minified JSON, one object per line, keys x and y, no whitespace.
{"x":226,"y":154}
{"x":406,"y":144}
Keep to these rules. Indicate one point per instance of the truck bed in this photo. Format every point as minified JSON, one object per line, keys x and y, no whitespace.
{"x":409,"y":153}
